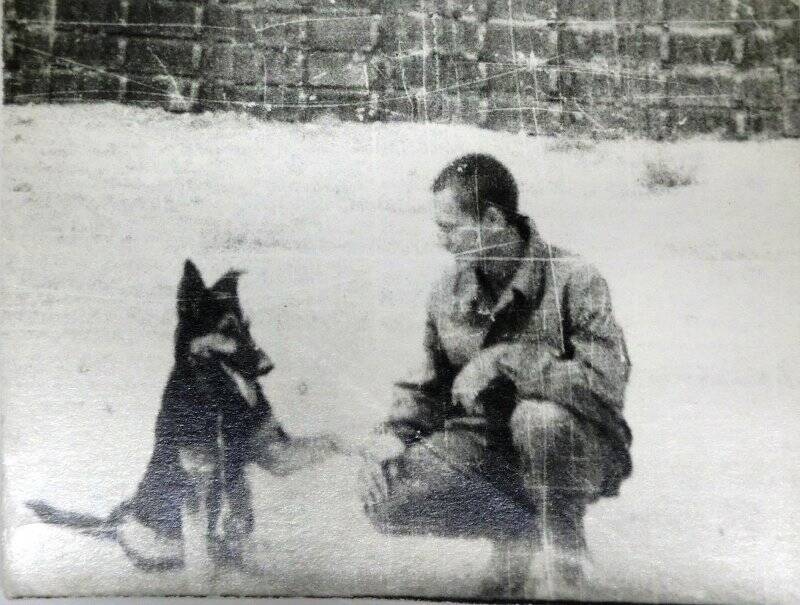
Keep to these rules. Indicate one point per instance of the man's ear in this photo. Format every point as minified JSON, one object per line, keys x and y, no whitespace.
{"x":191,"y":291}
{"x":495,"y":217}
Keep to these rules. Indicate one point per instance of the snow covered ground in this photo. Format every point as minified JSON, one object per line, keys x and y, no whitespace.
{"x":101,"y":205}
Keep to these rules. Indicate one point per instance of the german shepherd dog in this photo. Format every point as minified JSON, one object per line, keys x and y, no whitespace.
{"x":214,"y":419}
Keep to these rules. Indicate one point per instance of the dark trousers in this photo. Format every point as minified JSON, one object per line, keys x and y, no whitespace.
{"x":532,"y":478}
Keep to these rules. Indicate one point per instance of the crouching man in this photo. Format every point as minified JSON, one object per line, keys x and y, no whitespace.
{"x":517,"y":423}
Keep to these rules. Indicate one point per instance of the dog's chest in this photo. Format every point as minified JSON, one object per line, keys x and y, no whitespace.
{"x":248,"y":389}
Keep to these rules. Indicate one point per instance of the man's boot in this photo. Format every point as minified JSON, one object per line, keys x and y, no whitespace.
{"x":508,"y":572}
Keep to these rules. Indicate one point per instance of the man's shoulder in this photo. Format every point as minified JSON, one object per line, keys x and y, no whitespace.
{"x":572,"y":269}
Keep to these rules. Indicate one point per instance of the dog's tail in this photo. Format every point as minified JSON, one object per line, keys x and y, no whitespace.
{"x":89,"y":525}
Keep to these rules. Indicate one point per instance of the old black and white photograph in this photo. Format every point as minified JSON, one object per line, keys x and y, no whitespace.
{"x":462,"y":300}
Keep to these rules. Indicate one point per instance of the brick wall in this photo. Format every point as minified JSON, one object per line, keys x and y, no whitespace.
{"x":656,"y":67}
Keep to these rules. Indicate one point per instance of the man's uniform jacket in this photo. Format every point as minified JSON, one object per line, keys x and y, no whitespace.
{"x":551,"y":334}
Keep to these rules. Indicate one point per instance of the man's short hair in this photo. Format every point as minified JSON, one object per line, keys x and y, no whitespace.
{"x":486,"y":181}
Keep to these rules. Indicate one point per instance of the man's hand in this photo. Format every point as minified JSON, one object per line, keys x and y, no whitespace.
{"x":474,"y":378}
{"x":380,"y":469}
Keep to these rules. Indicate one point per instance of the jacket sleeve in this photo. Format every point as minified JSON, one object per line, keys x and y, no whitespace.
{"x":419,"y":405}
{"x":590,"y":374}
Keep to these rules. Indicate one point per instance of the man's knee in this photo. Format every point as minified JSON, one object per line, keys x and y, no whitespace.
{"x":536,"y":422}
{"x":558,"y":451}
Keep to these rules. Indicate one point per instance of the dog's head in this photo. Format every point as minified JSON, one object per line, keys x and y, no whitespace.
{"x":211,"y":324}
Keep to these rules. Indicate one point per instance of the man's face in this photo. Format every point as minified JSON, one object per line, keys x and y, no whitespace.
{"x":460,"y":233}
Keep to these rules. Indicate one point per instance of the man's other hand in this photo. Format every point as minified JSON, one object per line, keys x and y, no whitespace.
{"x":473,"y":379}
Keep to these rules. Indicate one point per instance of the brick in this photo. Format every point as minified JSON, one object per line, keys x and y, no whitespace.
{"x":444,"y":36}
{"x":641,"y":11}
{"x":10,"y":85}
{"x":28,"y":86}
{"x":283,"y":67}
{"x":164,"y":18}
{"x":439,"y":73}
{"x":612,"y":120}
{"x":344,"y":33}
{"x":171,"y":93}
{"x":588,"y":41}
{"x":456,"y":76}
{"x":759,"y":47}
{"x":536,"y":82}
{"x":10,"y":62}
{"x":768,"y":9}
{"x":505,"y":112}
{"x":380,"y":70}
{"x":218,"y":62}
{"x":691,"y":119}
{"x":525,"y":9}
{"x":476,"y":9}
{"x":401,"y":7}
{"x":517,"y":42}
{"x":440,"y":108}
{"x":27,"y":48}
{"x":237,"y":23}
{"x":285,"y":6}
{"x":345,"y":7}
{"x":414,"y":71}
{"x":592,"y":10}
{"x":33,"y":10}
{"x":87,"y":48}
{"x":701,"y":45}
{"x":760,"y":88}
{"x":268,"y":102}
{"x":790,"y":79}
{"x":643,"y":87}
{"x":702,"y":86}
{"x":700,"y":12}
{"x":640,"y":45}
{"x":472,"y":108}
{"x":602,"y":120}
{"x":791,"y":119}
{"x":457,"y":37}
{"x":595,"y":82}
{"x":337,"y":70}
{"x":221,"y":19}
{"x":84,"y":85}
{"x":787,"y":39}
{"x":90,"y":13}
{"x":272,"y":30}
{"x":345,"y":104}
{"x":173,"y":57}
{"x":9,"y":11}
{"x":239,"y":63}
{"x":397,"y":105}
{"x":764,"y":121}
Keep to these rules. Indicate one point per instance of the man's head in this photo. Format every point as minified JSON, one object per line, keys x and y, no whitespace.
{"x":475,"y":204}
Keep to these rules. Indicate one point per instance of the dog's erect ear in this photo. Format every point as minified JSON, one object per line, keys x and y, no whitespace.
{"x":191,"y":291}
{"x":227,"y":285}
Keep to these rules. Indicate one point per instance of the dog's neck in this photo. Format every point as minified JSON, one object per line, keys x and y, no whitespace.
{"x":248,"y":388}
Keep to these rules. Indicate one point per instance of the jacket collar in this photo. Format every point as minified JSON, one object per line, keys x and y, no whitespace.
{"x":525,"y":285}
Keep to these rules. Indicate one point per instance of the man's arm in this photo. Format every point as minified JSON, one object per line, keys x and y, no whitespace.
{"x":592,"y":372}
{"x":418,"y":408}
{"x":417,"y":411}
